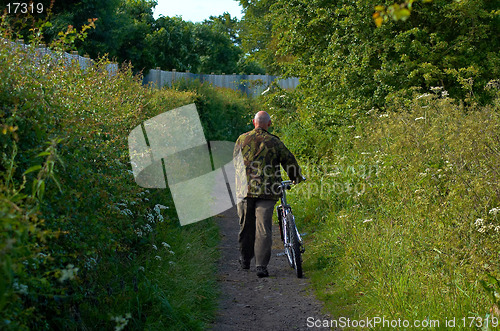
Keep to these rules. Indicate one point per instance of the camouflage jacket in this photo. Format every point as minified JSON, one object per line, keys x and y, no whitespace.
{"x":259,"y":173}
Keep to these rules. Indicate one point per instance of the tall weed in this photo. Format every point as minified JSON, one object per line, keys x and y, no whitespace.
{"x":403,"y":213}
{"x":82,"y":246}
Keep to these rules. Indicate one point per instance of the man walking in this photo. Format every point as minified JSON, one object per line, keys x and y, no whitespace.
{"x":258,"y":187}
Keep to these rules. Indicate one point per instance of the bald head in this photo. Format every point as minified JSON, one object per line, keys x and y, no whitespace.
{"x":262,"y":120}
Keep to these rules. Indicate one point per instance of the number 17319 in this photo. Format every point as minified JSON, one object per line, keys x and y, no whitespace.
{"x":24,"y":8}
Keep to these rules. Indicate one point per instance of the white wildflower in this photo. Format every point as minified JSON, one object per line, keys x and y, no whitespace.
{"x":494,"y":211}
{"x":497,"y":228}
{"x":90,"y":263}
{"x":444,"y":94}
{"x":368,"y":220}
{"x":479,"y":222}
{"x":160,"y":218}
{"x":161,"y":206}
{"x":141,"y":268}
{"x":147,"y":228}
{"x":68,"y":273}
{"x":154,"y":247}
{"x":121,"y":321}
{"x":436,"y":88}
{"x":419,"y":118}
{"x":127,"y":212}
{"x":357,"y":137}
{"x":158,"y":257}
{"x":20,"y":288}
{"x":425,"y":95}
{"x":138,"y":232}
{"x":165,"y":245}
{"x":384,"y":115}
{"x":482,"y":229}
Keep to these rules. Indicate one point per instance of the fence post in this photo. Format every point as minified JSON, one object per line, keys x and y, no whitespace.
{"x":173,"y":77}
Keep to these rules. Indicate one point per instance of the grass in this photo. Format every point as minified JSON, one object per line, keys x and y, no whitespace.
{"x":83,"y":246}
{"x":393,"y":214}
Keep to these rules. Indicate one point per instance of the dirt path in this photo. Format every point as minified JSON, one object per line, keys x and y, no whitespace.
{"x":279,"y":302}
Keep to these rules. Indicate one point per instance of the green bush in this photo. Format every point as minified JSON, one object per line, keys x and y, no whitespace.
{"x":224,"y":113}
{"x":81,"y":245}
{"x":403,"y":215}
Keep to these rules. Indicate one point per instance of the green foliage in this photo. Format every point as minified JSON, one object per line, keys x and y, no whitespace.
{"x":81,"y":245}
{"x":218,"y":53}
{"x":224,"y":113}
{"x":256,"y":33}
{"x":345,"y":63}
{"x":395,"y":11}
{"x":173,"y":44}
{"x":403,"y":214}
{"x":126,"y":31}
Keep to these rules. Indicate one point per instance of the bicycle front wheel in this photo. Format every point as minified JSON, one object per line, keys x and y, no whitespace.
{"x":295,"y":252}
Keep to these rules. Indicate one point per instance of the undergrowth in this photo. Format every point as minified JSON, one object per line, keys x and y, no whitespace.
{"x":82,"y":246}
{"x":403,"y":212}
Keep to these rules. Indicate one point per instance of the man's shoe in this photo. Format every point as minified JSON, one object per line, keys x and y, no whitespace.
{"x":262,"y":272}
{"x":244,"y":264}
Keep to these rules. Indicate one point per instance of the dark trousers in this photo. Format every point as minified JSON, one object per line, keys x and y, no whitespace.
{"x":255,"y":237}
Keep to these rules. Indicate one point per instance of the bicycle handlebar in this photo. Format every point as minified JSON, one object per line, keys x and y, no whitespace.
{"x":286,"y":183}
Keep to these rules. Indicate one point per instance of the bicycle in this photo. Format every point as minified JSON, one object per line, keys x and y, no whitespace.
{"x":292,"y":241}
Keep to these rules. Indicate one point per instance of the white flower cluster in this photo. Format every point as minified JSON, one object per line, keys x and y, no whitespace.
{"x":151,"y":218}
{"x":90,"y":263}
{"x":121,"y":321}
{"x":482,"y":227}
{"x":158,"y":209}
{"x":127,"y":212}
{"x":20,"y":288}
{"x":438,"y":89}
{"x":69,"y":273}
{"x":494,"y":211}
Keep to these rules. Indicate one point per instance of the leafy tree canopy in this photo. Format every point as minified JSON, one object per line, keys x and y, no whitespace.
{"x":346,"y":63}
{"x":126,"y":31}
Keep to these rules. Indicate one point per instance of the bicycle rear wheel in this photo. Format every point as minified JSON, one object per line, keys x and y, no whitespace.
{"x":296,"y":254}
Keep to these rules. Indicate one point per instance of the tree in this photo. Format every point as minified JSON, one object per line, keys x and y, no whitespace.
{"x":226,"y":24}
{"x":173,"y":44}
{"x":257,"y":33}
{"x":215,"y":43}
{"x":136,"y":23}
{"x":345,"y":63}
